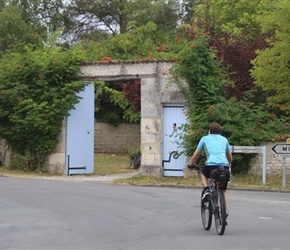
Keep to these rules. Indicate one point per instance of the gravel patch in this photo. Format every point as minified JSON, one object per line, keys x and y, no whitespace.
{"x":82,"y":178}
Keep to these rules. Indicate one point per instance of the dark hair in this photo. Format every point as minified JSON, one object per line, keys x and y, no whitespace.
{"x":215,"y":128}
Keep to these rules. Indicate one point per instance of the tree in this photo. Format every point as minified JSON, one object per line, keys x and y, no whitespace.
{"x":132,"y":92}
{"x":188,"y":10}
{"x":2,"y":4}
{"x":142,"y":42}
{"x":118,"y":16}
{"x":235,"y":39}
{"x":237,"y":18}
{"x":107,"y":96}
{"x":272,"y":65}
{"x":236,"y":56}
{"x":44,"y":16}
{"x":38,"y":88}
{"x":116,"y":102}
{"x":13,"y":29}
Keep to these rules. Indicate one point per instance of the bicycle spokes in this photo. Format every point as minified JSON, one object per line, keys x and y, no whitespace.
{"x":206,"y":214}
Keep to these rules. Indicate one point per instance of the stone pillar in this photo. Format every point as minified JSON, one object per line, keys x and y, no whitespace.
{"x":151,"y":128}
{"x":56,"y":161}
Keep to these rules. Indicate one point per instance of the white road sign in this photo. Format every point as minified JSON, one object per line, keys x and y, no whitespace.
{"x":281,"y":149}
{"x":281,"y":155}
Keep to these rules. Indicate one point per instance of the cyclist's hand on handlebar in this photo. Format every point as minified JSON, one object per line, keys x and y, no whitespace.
{"x":191,"y":166}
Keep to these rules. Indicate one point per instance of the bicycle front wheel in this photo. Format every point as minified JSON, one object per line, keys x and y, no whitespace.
{"x":220,"y":212}
{"x":206,"y":213}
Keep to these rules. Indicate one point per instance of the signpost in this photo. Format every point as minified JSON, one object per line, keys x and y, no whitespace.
{"x":282,"y":150}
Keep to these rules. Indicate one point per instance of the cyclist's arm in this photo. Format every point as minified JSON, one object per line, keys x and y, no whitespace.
{"x":195,"y":157}
{"x":197,"y":152}
{"x":229,"y":157}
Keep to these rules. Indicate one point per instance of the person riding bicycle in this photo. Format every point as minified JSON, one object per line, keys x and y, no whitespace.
{"x":218,"y":152}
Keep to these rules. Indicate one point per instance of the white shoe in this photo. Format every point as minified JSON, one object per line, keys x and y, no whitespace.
{"x":205,"y":195}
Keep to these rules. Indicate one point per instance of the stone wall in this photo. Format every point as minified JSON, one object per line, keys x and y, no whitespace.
{"x":274,"y":164}
{"x":116,"y":139}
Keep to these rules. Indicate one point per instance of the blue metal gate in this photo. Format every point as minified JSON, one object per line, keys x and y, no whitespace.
{"x":80,"y":135}
{"x":173,"y":118}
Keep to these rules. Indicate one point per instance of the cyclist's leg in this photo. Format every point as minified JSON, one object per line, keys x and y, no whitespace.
{"x":205,"y":180}
{"x":226,"y":198}
{"x":224,"y":188}
{"x":205,"y":175}
{"x":225,"y":192}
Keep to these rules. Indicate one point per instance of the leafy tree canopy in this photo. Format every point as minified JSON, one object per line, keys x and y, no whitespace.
{"x":237,"y":18}
{"x":236,"y":56}
{"x":43,"y":16}
{"x":142,"y":42}
{"x":101,"y":17}
{"x":14,"y":32}
{"x":272,"y":65}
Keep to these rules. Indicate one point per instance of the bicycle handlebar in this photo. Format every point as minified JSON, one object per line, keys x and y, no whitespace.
{"x":195,"y":167}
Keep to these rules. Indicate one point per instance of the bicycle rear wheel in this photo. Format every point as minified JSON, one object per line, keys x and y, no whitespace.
{"x":220,"y":212}
{"x":206,"y":213}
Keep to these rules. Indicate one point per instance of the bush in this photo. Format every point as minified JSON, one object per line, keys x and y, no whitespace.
{"x":38,"y":88}
{"x":25,"y":163}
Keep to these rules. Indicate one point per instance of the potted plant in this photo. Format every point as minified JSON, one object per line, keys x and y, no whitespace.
{"x":134,"y":153}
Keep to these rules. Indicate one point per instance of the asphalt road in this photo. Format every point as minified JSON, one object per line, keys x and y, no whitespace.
{"x":53,"y":214}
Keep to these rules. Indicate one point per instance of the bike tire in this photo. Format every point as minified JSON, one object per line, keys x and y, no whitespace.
{"x":206,"y":213}
{"x":220,"y":212}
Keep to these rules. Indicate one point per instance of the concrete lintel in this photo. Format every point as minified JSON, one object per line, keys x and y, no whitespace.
{"x":116,"y":77}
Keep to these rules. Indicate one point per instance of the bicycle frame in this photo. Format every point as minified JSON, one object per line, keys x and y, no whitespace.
{"x":218,"y":206}
{"x":215,"y":205}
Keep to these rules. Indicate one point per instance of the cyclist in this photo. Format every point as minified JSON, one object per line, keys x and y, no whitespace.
{"x":218,"y":152}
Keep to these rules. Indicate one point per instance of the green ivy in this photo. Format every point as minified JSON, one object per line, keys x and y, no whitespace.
{"x":38,"y":88}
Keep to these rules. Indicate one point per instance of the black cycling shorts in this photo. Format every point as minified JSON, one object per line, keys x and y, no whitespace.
{"x":206,"y":172}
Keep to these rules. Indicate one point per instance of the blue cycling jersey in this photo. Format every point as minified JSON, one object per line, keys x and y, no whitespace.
{"x":215,"y":146}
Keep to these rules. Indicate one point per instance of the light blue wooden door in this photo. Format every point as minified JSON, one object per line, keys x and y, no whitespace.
{"x":174,"y":117}
{"x":80,"y":135}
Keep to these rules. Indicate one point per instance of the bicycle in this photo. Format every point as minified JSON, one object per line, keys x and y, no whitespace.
{"x":216,"y":204}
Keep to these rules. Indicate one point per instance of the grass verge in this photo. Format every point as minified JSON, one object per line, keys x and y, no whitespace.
{"x":106,"y":164}
{"x":237,"y":181}
{"x":112,"y":164}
